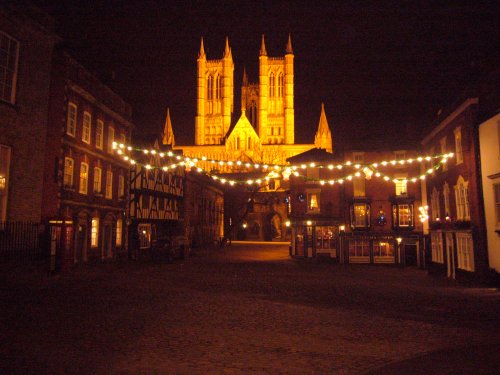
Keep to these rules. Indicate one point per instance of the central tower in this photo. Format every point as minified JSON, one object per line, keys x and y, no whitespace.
{"x":215,"y":97}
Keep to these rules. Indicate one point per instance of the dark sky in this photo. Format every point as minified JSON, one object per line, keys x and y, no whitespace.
{"x":383,"y":70}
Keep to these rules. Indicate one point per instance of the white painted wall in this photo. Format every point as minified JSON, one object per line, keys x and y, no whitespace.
{"x":490,"y":168}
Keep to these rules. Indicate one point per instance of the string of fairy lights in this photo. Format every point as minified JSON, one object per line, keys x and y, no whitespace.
{"x":282,"y":171}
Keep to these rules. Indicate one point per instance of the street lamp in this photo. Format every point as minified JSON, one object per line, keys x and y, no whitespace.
{"x":287,"y":223}
{"x":399,"y":240}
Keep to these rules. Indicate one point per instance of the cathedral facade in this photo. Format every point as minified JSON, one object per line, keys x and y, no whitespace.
{"x":264,"y":133}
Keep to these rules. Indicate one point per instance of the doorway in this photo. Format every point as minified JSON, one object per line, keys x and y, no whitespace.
{"x":450,"y":256}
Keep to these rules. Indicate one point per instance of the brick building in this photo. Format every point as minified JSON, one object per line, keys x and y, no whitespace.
{"x":85,"y":183}
{"x":360,"y":207}
{"x":26,"y":45}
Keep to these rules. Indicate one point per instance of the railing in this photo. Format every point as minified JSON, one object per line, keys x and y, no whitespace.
{"x":20,"y":241}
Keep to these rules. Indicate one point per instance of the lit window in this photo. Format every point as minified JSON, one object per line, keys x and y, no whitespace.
{"x":443,"y":151}
{"x":465,"y":251}
{"x":360,"y":215}
{"x":87,"y":121}
{"x":358,"y":185}
{"x":84,"y":178}
{"x":271,"y":85}
{"x":496,"y":189}
{"x":383,"y":250}
{"x":280,"y":85}
{"x":358,"y":157}
{"x":437,"y":247}
{"x":121,"y":186}
{"x":359,"y":250}
{"x":4,"y":180}
{"x":403,"y":215}
{"x":435,"y":208}
{"x":401,"y":186}
{"x":109,"y":185}
{"x":9,"y":54}
{"x":99,"y":134}
{"x":458,"y":145}
{"x":71,"y":122}
{"x":313,"y":201}
{"x":462,"y":199}
{"x":97,"y":179}
{"x":446,"y":199}
{"x":400,"y":155}
{"x":111,"y":139}
{"x":94,"y":235}
{"x":144,"y":235}
{"x":119,"y":232}
{"x":68,"y":172}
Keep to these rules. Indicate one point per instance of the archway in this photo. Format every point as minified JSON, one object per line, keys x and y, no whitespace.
{"x":273,"y":227}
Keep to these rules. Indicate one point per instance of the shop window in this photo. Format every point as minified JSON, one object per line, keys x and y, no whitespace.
{"x":144,"y":235}
{"x":465,"y":251}
{"x":383,"y":252}
{"x":9,"y":52}
{"x":437,"y":247}
{"x":94,"y":234}
{"x":402,"y":215}
{"x":359,"y":251}
{"x":360,"y":215}
{"x":119,"y":232}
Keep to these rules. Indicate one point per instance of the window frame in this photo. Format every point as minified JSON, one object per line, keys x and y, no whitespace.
{"x":354,"y":222}
{"x":465,"y":251}
{"x":462,"y":199}
{"x":119,"y":232}
{"x":86,"y":127}
{"x":84,"y":178}
{"x":94,"y":233}
{"x":111,"y":139}
{"x":437,"y":249}
{"x":121,"y":186}
{"x":99,"y":135}
{"x":14,"y":71}
{"x":71,"y":120}
{"x":96,"y":183}
{"x":310,"y":193}
{"x":397,"y":215}
{"x":65,"y":170}
{"x":458,"y":145}
{"x":109,"y":184}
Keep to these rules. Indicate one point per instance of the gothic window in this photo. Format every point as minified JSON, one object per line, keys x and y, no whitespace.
{"x":253,"y":114}
{"x":210,"y":87}
{"x":271,"y":85}
{"x":446,"y":198}
{"x":435,"y":209}
{"x":218,"y":88}
{"x":280,"y":85}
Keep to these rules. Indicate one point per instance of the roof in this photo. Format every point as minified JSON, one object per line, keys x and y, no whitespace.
{"x":312,"y":155}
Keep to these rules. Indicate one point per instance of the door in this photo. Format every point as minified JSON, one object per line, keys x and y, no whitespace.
{"x":107,"y":253}
{"x":410,"y":254}
{"x":81,"y":244}
{"x":450,"y":256}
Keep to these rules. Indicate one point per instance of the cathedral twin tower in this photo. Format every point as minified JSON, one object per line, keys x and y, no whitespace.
{"x":268,"y":105}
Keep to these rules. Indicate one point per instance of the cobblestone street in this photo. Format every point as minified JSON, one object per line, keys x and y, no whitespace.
{"x":245,"y":309}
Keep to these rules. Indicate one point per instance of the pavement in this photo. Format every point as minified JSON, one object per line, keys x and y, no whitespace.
{"x":244,"y":309}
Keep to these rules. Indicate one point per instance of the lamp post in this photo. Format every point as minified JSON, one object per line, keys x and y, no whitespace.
{"x":399,"y":240}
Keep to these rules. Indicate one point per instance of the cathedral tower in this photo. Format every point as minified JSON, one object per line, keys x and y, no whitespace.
{"x":215,"y":97}
{"x":276,"y":97}
{"x":323,"y":137}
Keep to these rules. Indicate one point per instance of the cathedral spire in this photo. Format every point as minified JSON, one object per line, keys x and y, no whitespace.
{"x":263,"y":51}
{"x":323,"y":137}
{"x":245,"y":78}
{"x":227,"y":50}
{"x":201,"y":55}
{"x":289,"y":49}
{"x":168,"y":133}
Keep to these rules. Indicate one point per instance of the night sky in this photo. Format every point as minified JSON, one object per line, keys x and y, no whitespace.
{"x":383,"y":70}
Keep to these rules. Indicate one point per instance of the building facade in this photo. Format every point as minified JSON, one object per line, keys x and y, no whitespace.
{"x":85,"y":183}
{"x":454,"y":195}
{"x":26,"y":46}
{"x":360,"y":207}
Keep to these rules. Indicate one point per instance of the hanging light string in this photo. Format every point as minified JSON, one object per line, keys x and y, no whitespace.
{"x":122,"y":150}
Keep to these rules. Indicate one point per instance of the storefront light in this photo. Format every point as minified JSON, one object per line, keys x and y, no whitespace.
{"x":309,"y":222}
{"x":287,"y":223}
{"x":342,"y":228}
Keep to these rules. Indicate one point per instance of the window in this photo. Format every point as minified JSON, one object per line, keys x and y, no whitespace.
{"x":383,"y":251}
{"x":271,"y":85}
{"x":9,"y":54}
{"x":280,"y":85}
{"x":435,"y":209}
{"x":446,"y":199}
{"x":87,"y":121}
{"x":458,"y":145}
{"x":68,"y":172}
{"x":359,"y":250}
{"x":462,"y":199}
{"x":360,"y":215}
{"x":71,"y":122}
{"x":119,"y":232}
{"x":97,"y":179}
{"x":144,"y":235}
{"x":109,"y":185}
{"x":99,"y":134}
{"x":84,"y":178}
{"x":402,"y":215}
{"x":401,"y":186}
{"x":443,"y":151}
{"x":94,"y":235}
{"x":121,"y":186}
{"x":437,"y":247}
{"x":313,"y":201}
{"x":4,"y":180}
{"x":358,"y":184}
{"x":400,"y":155}
{"x":358,"y":157}
{"x":465,"y":251}
{"x":111,"y":139}
{"x":496,"y":192}
{"x":218,"y":88}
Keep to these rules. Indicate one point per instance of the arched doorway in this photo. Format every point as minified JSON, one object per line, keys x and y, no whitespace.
{"x":273,"y":227}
